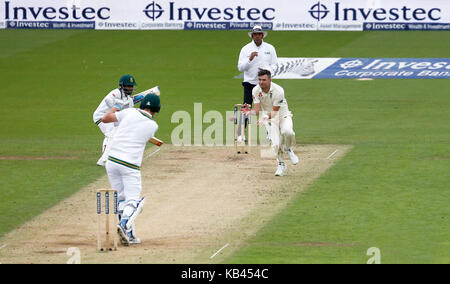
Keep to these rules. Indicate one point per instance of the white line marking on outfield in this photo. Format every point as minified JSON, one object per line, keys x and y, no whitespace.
{"x":154,"y":152}
{"x":331,"y":155}
{"x":217,"y":252}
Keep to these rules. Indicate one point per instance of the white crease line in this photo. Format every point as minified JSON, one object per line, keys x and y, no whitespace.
{"x":332,"y":154}
{"x":154,"y":152}
{"x":212,"y":256}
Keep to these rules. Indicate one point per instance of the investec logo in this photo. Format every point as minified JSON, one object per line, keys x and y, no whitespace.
{"x":398,"y":64}
{"x":155,"y":10}
{"x":72,"y":12}
{"x":338,"y":12}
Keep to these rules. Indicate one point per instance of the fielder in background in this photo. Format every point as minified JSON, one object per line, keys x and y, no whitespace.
{"x":254,"y":55}
{"x":269,"y":97}
{"x":120,"y":98}
{"x":135,"y":128}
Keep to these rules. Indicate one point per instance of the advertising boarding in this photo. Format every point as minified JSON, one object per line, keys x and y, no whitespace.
{"x":309,"y":15}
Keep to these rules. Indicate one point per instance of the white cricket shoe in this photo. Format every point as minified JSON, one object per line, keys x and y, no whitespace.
{"x":127,"y":236}
{"x":281,"y":169}
{"x":134,"y":241}
{"x":123,"y":234}
{"x":292,"y":156}
{"x":101,"y":163}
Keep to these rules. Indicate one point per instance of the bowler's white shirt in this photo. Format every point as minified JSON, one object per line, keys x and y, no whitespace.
{"x":135,"y":128}
{"x":275,"y":97}
{"x":267,"y":56}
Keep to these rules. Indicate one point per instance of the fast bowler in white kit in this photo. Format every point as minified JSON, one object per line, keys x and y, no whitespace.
{"x":135,"y":128}
{"x":269,"y":97}
{"x":121,"y":98}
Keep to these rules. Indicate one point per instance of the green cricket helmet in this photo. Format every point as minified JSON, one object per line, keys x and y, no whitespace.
{"x":152,"y":102}
{"x":127,"y":84}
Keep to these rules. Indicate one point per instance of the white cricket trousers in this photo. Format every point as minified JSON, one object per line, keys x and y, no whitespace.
{"x":279,"y":128}
{"x":126,"y":181}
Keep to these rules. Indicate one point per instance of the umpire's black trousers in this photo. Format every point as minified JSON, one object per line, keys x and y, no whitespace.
{"x":248,"y":99}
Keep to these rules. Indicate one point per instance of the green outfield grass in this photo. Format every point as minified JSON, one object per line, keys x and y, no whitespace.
{"x":390,"y":191}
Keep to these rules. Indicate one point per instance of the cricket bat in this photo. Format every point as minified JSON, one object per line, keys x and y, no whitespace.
{"x":138,"y":97}
{"x":156,"y":141}
{"x":155,"y":90}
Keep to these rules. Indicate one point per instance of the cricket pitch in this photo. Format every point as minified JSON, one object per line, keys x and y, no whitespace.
{"x":198,"y":200}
